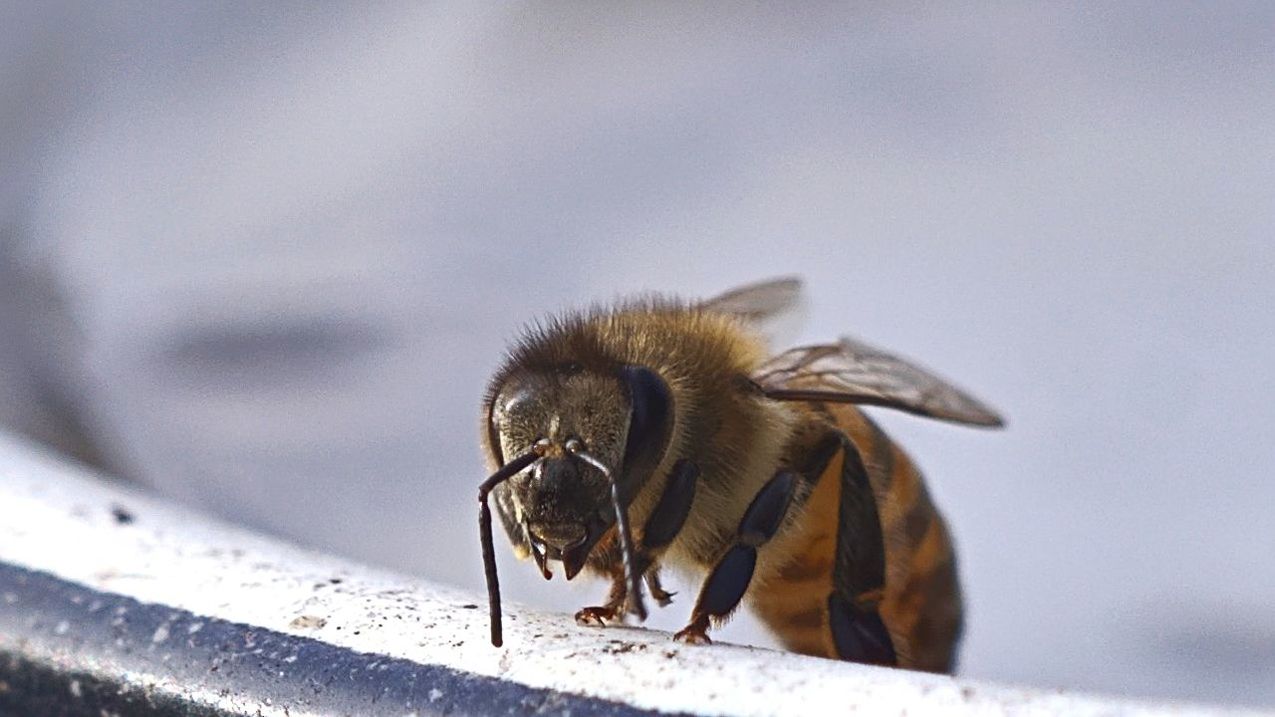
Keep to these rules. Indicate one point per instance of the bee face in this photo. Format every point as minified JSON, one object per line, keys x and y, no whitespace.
{"x":561,"y":501}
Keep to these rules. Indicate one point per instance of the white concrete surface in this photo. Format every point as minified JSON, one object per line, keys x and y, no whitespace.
{"x":58,"y":519}
{"x":270,"y":253}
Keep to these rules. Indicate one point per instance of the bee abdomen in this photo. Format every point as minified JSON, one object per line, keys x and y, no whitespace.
{"x":793,"y":601}
{"x":920,"y":604}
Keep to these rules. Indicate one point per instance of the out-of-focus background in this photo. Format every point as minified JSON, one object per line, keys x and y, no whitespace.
{"x":263,"y":258}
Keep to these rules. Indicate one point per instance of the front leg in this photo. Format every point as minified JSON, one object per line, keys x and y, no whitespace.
{"x":663,"y":525}
{"x":663,"y":597}
{"x":601,"y":615}
{"x":729,"y":580}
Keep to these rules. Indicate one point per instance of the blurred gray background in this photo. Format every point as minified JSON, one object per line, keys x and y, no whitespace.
{"x":263,"y":258}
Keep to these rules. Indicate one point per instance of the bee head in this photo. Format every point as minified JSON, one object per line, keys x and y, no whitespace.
{"x":589,"y":427}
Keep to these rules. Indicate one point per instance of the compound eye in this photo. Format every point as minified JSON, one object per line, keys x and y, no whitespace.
{"x":650,"y":419}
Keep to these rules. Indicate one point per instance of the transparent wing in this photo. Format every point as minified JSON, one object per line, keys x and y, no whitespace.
{"x":758,"y":302}
{"x":853,"y":372}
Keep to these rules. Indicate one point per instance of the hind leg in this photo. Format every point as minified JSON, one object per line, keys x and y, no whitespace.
{"x":858,"y":577}
{"x":824,"y":599}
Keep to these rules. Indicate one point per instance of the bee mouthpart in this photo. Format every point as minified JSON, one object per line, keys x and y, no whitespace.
{"x":569,"y":543}
{"x":538,"y":552}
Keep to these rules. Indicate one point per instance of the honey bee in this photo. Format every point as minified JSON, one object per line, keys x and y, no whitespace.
{"x":661,"y":432}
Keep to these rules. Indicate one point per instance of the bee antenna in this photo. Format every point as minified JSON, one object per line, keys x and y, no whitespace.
{"x":622,"y":527}
{"x":507,"y":471}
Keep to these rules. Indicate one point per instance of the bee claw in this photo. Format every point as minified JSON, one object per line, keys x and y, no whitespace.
{"x":594,"y":616}
{"x":692,"y":637}
{"x":663,"y":597}
{"x":695,"y":633}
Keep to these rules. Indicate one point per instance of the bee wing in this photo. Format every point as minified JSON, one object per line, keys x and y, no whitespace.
{"x":854,"y":372}
{"x":760,"y":301}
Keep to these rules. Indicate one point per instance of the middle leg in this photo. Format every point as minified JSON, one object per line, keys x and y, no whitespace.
{"x":726,"y":585}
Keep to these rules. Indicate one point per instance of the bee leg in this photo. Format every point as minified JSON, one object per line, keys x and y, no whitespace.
{"x":663,"y":525}
{"x":665,"y":522}
{"x":729,"y":580}
{"x":663,"y":597}
{"x":603,"y":614}
{"x":858,"y":577}
{"x":670,"y":513}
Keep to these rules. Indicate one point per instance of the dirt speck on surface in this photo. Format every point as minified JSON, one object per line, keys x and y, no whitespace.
{"x":308,"y":622}
{"x":122,"y":515}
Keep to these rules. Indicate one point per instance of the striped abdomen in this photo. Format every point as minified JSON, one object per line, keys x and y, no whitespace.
{"x":921,"y":603}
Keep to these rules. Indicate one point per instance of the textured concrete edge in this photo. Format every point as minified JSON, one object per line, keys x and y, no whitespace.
{"x":59,"y":522}
{"x":68,"y":649}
